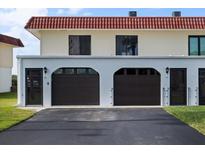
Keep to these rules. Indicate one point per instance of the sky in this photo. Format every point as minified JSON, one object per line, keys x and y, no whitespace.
{"x":12,"y":22}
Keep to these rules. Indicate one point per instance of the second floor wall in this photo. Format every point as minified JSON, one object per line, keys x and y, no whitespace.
{"x":103,"y":42}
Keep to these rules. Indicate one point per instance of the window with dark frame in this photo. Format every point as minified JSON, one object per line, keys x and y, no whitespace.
{"x":142,"y":71}
{"x":196,"y":45}
{"x":120,"y":71}
{"x":131,"y":71}
{"x":76,"y":71}
{"x":79,"y":45}
{"x":126,"y":45}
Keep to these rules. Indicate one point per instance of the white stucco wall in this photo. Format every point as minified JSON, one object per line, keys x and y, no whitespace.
{"x":6,"y":63}
{"x":150,"y":42}
{"x":6,"y":55}
{"x":5,"y":79}
{"x":106,"y":67}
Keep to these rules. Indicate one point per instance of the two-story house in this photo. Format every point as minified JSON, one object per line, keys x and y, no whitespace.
{"x":114,"y":61}
{"x":7,"y":43}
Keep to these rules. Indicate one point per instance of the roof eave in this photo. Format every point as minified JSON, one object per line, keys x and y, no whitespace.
{"x":15,"y":42}
{"x":34,"y":32}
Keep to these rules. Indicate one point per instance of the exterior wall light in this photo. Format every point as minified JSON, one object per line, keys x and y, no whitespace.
{"x":167,"y":70}
{"x":45,"y":70}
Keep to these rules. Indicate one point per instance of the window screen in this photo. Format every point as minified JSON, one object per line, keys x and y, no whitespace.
{"x":79,"y":45}
{"x":126,"y":45}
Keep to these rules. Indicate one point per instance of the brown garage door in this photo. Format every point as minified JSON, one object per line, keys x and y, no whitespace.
{"x":75,"y":86}
{"x":136,"y":87}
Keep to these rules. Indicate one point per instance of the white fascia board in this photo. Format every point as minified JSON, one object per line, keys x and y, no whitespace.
{"x":108,"y":57}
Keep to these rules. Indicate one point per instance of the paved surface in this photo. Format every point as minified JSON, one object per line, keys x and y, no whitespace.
{"x":102,"y":126}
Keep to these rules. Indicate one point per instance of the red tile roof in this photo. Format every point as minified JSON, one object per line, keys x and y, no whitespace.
{"x":116,"y":23}
{"x":11,"y":40}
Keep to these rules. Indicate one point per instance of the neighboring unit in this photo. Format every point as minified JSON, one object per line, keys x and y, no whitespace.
{"x":115,"y":61}
{"x":7,"y":44}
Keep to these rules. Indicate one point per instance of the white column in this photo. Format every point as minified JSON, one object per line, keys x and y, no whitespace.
{"x":164,"y":87}
{"x":47,"y":88}
{"x":192,"y":86}
{"x":106,"y":88}
{"x":21,"y":101}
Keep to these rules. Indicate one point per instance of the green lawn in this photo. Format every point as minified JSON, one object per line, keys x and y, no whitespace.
{"x":194,"y":116}
{"x":9,"y":114}
{"x":8,"y":99}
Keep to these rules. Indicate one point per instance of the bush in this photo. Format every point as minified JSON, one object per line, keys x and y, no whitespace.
{"x":14,"y":83}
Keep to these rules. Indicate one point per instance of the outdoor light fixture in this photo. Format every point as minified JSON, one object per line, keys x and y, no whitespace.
{"x":45,"y":70}
{"x":167,"y":70}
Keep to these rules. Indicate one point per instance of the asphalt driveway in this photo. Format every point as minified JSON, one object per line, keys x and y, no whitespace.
{"x":102,"y":126}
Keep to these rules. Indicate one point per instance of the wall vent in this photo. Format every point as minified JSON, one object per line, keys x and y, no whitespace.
{"x":176,"y":14}
{"x":132,"y":13}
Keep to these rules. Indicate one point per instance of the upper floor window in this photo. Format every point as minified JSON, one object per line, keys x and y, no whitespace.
{"x":79,"y":45}
{"x":126,"y":45}
{"x":196,"y":45}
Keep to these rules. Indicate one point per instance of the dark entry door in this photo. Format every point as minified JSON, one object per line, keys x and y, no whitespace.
{"x":178,"y":86}
{"x":75,"y":86}
{"x":202,"y":86}
{"x":34,"y":86}
{"x":136,"y":87}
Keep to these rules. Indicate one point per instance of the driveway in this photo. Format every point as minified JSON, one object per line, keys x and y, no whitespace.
{"x":102,"y":126}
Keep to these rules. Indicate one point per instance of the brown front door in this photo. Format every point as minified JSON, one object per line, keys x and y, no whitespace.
{"x":34,"y":86}
{"x":202,"y":86}
{"x":136,"y":87}
{"x":178,"y":86}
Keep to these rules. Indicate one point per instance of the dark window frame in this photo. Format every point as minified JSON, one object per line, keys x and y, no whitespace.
{"x":69,"y":36}
{"x":199,"y":44}
{"x":88,"y":71}
{"x":116,"y":45}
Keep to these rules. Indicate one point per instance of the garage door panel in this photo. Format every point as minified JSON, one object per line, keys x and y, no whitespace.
{"x":75,"y":89}
{"x":137,"y":89}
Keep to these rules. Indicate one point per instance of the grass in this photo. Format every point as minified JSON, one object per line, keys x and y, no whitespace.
{"x":9,"y":114}
{"x":8,"y":99}
{"x":194,"y":116}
